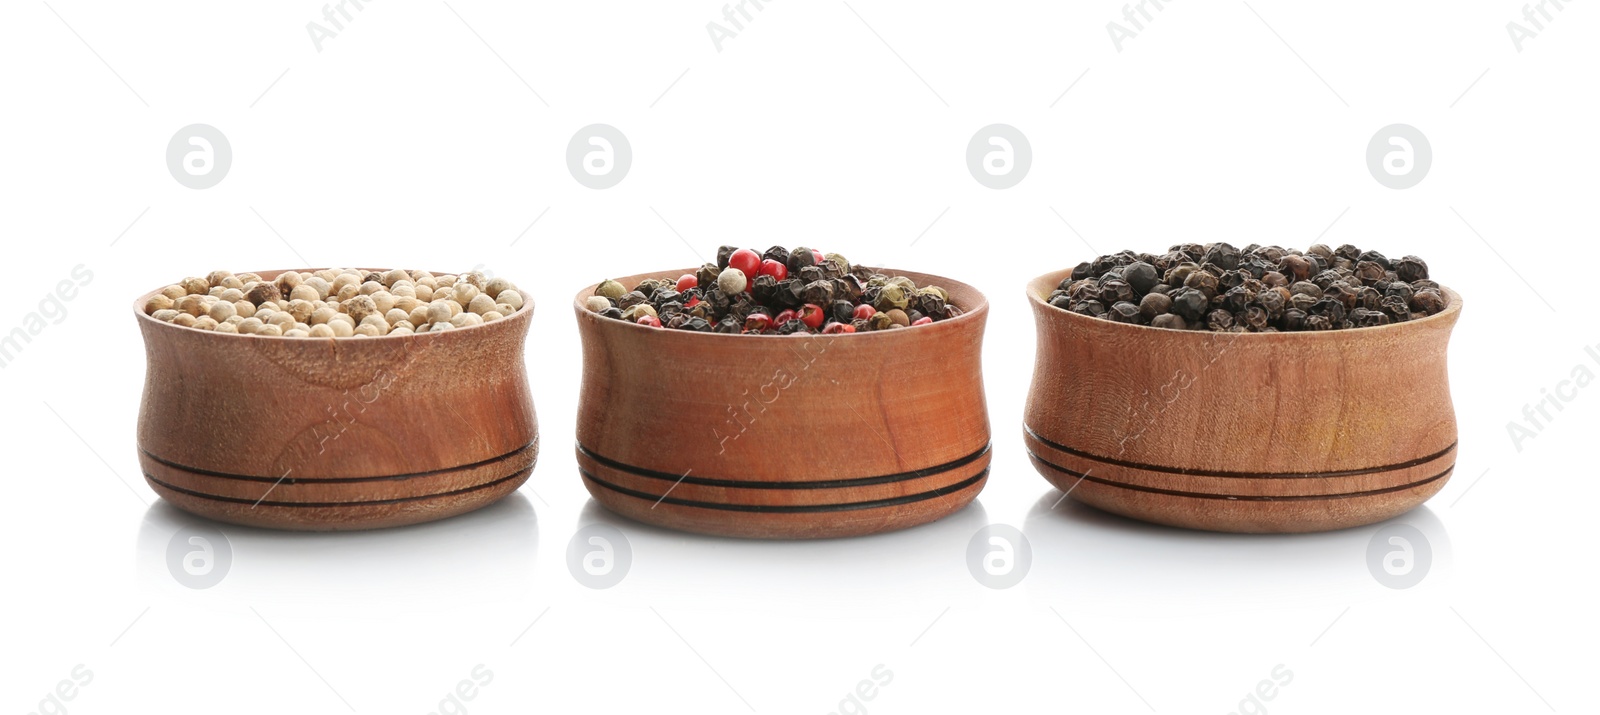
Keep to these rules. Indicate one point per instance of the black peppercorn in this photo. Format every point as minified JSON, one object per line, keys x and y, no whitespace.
{"x":1124,"y":312}
{"x":841,"y":311}
{"x":1116,"y":291}
{"x":1189,"y":303}
{"x":1141,"y":276}
{"x":1154,"y":304}
{"x":1427,"y":301}
{"x":723,"y":254}
{"x":799,"y":258}
{"x":1370,"y":272}
{"x":1169,"y":320}
{"x":1374,"y":257}
{"x":1219,"y":320}
{"x":1221,"y":255}
{"x":1364,"y":318}
{"x":818,"y":292}
{"x":707,"y":274}
{"x":789,"y":292}
{"x":1202,"y":281}
{"x":1396,"y":308}
{"x":1411,"y":269}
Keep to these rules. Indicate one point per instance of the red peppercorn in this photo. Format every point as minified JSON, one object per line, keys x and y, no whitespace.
{"x":777,"y":270}
{"x":924,"y":320}
{"x":817,"y":254}
{"x":694,"y":300}
{"x":687,"y":281}
{"x":784,"y":317}
{"x":757,"y":323}
{"x":864,"y":312}
{"x":811,"y":314}
{"x":746,"y":260}
{"x":838,"y":328}
{"x":650,"y":321}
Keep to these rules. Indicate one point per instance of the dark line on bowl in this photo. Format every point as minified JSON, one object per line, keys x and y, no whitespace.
{"x":1237,"y":475}
{"x":338,"y":480}
{"x":308,"y":504}
{"x":817,"y":484}
{"x":793,"y":508}
{"x":1231,"y":497}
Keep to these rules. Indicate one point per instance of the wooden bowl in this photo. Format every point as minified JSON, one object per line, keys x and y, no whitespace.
{"x":767,"y":436}
{"x":335,"y":433}
{"x":1241,"y":432}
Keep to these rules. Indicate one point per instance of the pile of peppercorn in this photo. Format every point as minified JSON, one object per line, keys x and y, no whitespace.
{"x":1257,"y":289}
{"x":779,"y":292}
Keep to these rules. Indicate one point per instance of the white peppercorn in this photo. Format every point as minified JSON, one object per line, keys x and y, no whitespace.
{"x":731,"y":281}
{"x":251,"y":326}
{"x":184,"y":319}
{"x":481,"y":304}
{"x":227,"y":328}
{"x":496,"y":286}
{"x":492,"y":316}
{"x":221,"y":310}
{"x":156,"y":303}
{"x":270,"y":331}
{"x":424,"y":292}
{"x":321,"y":331}
{"x":511,"y":297}
{"x":341,"y":329}
{"x":165,"y":315}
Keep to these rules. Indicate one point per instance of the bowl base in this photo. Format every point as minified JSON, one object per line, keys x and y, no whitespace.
{"x":339,"y":504}
{"x":1242,"y":515}
{"x":791,"y":522}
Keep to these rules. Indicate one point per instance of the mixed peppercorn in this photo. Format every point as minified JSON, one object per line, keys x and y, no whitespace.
{"x":1257,"y":289}
{"x":779,"y":292}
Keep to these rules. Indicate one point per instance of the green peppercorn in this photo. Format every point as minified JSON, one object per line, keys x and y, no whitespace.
{"x":890,"y":297}
{"x":880,"y":321}
{"x":610,"y":289}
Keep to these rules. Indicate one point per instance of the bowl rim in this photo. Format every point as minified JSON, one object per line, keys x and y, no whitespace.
{"x":1451,"y":311}
{"x":138,"y":311}
{"x":970,"y":313}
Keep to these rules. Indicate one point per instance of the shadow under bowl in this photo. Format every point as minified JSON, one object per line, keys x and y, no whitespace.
{"x":1241,"y":432}
{"x":800,"y":436}
{"x":335,"y":433}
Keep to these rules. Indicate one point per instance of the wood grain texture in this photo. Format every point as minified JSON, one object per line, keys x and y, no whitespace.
{"x":335,"y":433}
{"x":784,"y":436}
{"x":1242,"y":432}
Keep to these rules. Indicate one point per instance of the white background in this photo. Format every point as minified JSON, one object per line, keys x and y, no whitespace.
{"x":418,"y":137}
